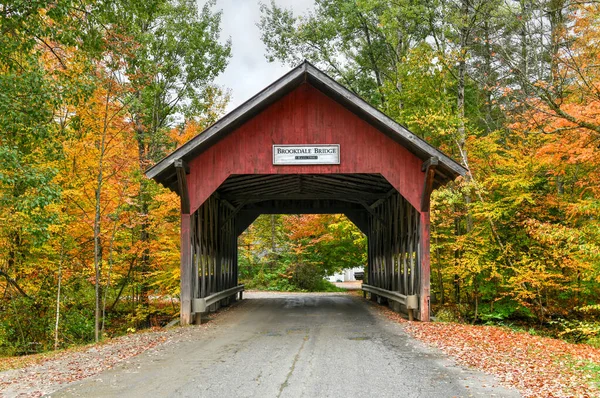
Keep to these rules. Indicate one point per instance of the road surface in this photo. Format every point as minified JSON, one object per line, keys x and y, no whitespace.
{"x":293,"y":345}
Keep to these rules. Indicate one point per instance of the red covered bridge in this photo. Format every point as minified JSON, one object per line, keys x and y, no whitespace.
{"x":306,"y":144}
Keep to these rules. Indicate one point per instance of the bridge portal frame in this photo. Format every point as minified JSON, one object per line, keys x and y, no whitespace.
{"x":226,"y":176}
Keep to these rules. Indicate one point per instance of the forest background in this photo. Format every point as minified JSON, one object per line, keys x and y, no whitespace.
{"x":93,"y":92}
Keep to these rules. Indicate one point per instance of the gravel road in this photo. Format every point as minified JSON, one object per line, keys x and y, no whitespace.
{"x":293,"y":345}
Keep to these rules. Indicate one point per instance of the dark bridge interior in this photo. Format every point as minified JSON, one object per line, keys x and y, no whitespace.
{"x":355,"y":195}
{"x":390,"y":222}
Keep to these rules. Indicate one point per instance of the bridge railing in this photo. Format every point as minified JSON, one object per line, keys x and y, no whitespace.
{"x":410,"y":302}
{"x":201,"y":305}
{"x":390,"y":295}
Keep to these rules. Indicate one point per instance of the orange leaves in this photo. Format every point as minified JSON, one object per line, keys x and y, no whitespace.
{"x":181,"y":136}
{"x":164,"y":248}
{"x":307,"y":226}
{"x":536,"y":366}
{"x":101,"y":143}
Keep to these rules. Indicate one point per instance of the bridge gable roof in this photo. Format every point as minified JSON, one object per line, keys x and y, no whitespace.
{"x":164,"y":171}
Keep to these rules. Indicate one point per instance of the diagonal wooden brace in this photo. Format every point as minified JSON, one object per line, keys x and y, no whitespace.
{"x":429,"y":168}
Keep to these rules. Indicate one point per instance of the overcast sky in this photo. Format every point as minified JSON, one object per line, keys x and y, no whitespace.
{"x":248,"y":71}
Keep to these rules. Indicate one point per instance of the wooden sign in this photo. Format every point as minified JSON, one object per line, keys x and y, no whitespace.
{"x":306,"y":154}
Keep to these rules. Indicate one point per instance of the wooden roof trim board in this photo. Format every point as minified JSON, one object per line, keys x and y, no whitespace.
{"x":164,"y":170}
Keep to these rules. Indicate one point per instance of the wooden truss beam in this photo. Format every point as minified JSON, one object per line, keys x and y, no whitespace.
{"x":381,"y":200}
{"x":371,"y":211}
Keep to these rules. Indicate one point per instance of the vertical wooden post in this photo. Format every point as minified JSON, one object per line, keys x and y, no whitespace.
{"x":429,"y":168}
{"x":424,"y":294}
{"x":234,"y":253}
{"x":185,"y":295}
{"x":367,"y":277}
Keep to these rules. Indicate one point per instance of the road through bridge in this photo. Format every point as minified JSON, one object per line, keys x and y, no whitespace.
{"x":292,"y":345}
{"x":306,"y":144}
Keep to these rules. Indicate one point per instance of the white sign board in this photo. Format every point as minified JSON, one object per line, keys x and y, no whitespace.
{"x":306,"y":154}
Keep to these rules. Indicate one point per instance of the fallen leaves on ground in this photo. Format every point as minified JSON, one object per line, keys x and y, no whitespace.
{"x":37,"y":375}
{"x":45,"y":373}
{"x":536,"y":366}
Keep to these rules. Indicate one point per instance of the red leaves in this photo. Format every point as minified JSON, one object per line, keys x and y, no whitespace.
{"x":536,"y":366}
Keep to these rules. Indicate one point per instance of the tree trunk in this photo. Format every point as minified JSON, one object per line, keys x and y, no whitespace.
{"x":140,"y":132}
{"x":97,"y":248}
{"x":372,"y":60}
{"x":438,"y":262}
{"x":97,"y":218}
{"x":123,"y":286}
{"x":462,"y":68}
{"x":59,"y":285}
{"x":460,"y":100}
{"x":399,"y":53}
{"x":489,"y":82}
{"x":476,"y":294}
{"x":524,"y":43}
{"x":108,"y":274}
{"x":97,"y":251}
{"x":557,"y":22}
{"x":273,"y":246}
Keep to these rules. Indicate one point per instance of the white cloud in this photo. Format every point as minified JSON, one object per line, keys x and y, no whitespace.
{"x":248,"y":71}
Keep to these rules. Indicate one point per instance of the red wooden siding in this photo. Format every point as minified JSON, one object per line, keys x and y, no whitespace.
{"x":305,"y":116}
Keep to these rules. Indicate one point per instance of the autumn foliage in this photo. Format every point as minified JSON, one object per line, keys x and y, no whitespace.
{"x":295,"y":252}
{"x":511,"y":90}
{"x":88,"y":101}
{"x":94,"y":92}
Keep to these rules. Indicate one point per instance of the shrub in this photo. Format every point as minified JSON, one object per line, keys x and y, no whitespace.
{"x":305,"y":276}
{"x":578,"y":331}
{"x":446,"y":315}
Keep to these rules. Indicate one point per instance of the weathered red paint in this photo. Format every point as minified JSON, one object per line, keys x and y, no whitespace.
{"x":305,"y":116}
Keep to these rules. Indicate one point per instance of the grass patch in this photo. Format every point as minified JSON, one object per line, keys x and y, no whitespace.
{"x":590,"y":371}
{"x":326,"y":286}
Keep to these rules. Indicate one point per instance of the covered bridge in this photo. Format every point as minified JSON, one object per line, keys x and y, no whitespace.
{"x":306,"y":144}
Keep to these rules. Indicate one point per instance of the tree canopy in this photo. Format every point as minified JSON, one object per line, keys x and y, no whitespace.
{"x":509,"y":88}
{"x":92,"y":92}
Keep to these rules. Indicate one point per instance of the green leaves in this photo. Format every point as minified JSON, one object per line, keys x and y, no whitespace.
{"x":174,"y":56}
{"x":300,"y":250}
{"x":90,"y":94}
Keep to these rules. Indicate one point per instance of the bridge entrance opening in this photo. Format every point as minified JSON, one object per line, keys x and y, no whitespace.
{"x":306,"y":145}
{"x":302,"y":252}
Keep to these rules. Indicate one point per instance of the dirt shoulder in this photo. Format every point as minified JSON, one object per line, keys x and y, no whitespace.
{"x":536,"y":366}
